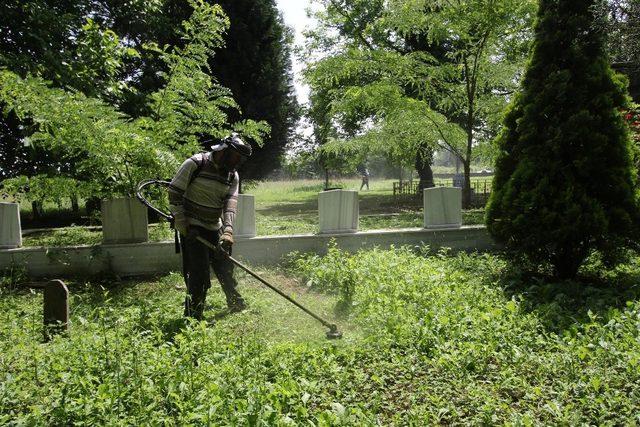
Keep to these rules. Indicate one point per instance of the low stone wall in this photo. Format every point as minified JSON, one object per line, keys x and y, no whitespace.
{"x":152,"y":258}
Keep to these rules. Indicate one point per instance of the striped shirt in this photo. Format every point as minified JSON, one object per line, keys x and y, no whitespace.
{"x":209,"y":200}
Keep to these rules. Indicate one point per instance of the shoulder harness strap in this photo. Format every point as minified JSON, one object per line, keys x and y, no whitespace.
{"x":201,"y":161}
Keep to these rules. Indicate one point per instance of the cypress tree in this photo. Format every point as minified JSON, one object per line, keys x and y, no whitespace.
{"x":564,"y":182}
{"x":255,"y":64}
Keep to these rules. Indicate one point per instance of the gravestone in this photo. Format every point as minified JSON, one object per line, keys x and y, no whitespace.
{"x":442,"y":207}
{"x":124,"y":220}
{"x":245,"y":222}
{"x":338,"y":211}
{"x":458,"y":180}
{"x":56,"y":308}
{"x":10,"y":230}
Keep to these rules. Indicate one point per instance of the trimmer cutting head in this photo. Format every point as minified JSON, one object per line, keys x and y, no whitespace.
{"x":333,"y":333}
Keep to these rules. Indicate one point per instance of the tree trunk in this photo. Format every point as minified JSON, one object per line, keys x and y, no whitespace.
{"x":36,"y":210}
{"x":567,"y":261}
{"x":92,"y":205}
{"x":424,"y":158}
{"x":74,"y":204}
{"x":466,"y":189}
{"x":326,"y":178}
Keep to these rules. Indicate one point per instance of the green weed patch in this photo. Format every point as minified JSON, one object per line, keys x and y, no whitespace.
{"x":429,"y":338}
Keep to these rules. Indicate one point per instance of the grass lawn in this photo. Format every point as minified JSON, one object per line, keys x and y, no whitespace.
{"x":286,"y":207}
{"x":429,"y":339}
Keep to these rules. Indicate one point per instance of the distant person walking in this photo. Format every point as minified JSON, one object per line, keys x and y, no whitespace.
{"x":365,"y":178}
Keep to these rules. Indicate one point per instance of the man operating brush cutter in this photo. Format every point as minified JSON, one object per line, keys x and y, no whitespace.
{"x":203,"y":197}
{"x":216,"y":243}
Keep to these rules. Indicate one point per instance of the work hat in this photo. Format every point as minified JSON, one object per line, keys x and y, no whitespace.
{"x":234,"y":142}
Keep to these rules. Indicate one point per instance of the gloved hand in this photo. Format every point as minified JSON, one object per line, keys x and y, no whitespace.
{"x":226,"y":241}
{"x":180,"y":223}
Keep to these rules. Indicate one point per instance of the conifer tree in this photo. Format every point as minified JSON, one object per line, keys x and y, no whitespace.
{"x":564,"y":183}
{"x":255,"y":64}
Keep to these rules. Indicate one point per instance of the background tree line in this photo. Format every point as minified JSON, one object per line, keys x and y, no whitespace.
{"x":405,"y":78}
{"x":120,"y":53}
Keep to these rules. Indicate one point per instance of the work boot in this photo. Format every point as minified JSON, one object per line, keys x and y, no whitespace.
{"x":237,"y":305}
{"x":195,"y":312}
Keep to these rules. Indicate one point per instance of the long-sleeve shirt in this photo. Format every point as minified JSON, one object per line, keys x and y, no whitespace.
{"x":210,"y":199}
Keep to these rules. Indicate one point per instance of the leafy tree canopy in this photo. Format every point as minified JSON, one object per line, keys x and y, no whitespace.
{"x":410,"y":64}
{"x":116,"y":151}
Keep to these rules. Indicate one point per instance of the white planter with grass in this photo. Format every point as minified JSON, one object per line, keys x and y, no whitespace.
{"x":338,"y":211}
{"x":10,"y":229}
{"x":442,"y":207}
{"x":124,"y":220}
{"x":245,"y":222}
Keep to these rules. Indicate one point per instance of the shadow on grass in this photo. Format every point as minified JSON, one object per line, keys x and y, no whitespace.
{"x":173,"y":327}
{"x":563,"y":305}
{"x":289,"y":208}
{"x":387,"y":203}
{"x":369,"y":204}
{"x":306,"y":188}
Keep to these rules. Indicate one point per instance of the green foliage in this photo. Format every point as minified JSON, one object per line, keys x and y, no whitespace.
{"x":191,"y":99}
{"x":255,"y":64}
{"x":632,"y":116}
{"x":112,"y":151}
{"x":11,"y":277}
{"x":43,"y":188}
{"x":435,"y":339}
{"x":68,"y":43}
{"x":405,"y":77}
{"x":36,"y":32}
{"x":68,"y":236}
{"x":621,"y":21}
{"x":564,"y":183}
{"x":336,"y":272}
{"x":75,"y":236}
{"x":98,"y":61}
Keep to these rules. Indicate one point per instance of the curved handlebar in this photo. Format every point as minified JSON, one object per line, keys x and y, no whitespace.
{"x":147,"y":182}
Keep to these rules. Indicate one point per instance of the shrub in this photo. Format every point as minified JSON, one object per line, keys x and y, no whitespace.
{"x":333,"y":273}
{"x":564,"y":182}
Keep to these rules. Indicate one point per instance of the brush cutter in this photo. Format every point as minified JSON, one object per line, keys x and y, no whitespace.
{"x":332,"y":333}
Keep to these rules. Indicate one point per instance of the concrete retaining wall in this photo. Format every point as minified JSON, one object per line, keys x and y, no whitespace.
{"x":152,"y":258}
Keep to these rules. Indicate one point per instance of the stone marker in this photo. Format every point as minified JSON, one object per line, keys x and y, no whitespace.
{"x":245,"y":223}
{"x":442,"y":207}
{"x":124,"y":220}
{"x":56,"y":308}
{"x":338,"y":211}
{"x":458,"y":180}
{"x":10,"y":230}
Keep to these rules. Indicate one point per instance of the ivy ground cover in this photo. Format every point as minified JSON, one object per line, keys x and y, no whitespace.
{"x":429,"y":338}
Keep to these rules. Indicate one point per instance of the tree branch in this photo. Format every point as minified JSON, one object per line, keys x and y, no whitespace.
{"x":358,"y":29}
{"x":348,"y":17}
{"x":444,"y":138}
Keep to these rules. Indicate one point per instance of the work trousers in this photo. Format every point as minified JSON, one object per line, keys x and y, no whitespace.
{"x":365,"y":181}
{"x":196,"y":259}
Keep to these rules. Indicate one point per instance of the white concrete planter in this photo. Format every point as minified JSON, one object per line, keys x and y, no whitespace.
{"x":442,"y":207}
{"x":10,"y":229}
{"x":245,"y":223}
{"x":124,"y":220}
{"x":338,"y":211}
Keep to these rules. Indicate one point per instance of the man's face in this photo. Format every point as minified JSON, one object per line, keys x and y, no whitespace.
{"x":229,"y":159}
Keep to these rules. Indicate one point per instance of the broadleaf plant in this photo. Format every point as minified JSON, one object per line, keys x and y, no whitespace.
{"x":115,"y":151}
